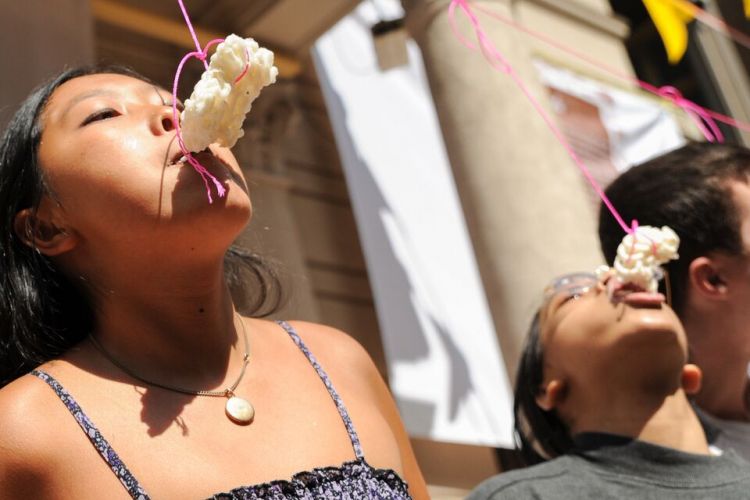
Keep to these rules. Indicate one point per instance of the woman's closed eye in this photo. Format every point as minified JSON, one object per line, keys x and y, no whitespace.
{"x":101,"y":114}
{"x":569,"y":296}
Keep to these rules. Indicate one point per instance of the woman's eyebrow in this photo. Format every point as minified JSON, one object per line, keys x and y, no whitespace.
{"x":161,"y":92}
{"x":83,"y":96}
{"x":158,"y":93}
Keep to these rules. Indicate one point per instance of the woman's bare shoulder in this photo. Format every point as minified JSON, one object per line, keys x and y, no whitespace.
{"x":327,"y":340}
{"x":347,"y":363}
{"x":22,"y":402}
{"x":343,"y":359}
{"x":28,"y":439}
{"x":339,"y":348}
{"x":351,"y":367}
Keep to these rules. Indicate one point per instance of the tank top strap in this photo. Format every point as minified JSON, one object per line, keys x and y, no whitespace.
{"x":331,"y":390}
{"x":97,"y":440}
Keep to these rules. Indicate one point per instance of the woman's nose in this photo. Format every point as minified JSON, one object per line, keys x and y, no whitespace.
{"x":163,"y":120}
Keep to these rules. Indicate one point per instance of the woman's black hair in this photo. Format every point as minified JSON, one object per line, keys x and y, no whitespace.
{"x":42,"y":313}
{"x":539,"y":434}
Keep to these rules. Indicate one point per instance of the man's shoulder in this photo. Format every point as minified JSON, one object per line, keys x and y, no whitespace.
{"x":553,"y":479}
{"x":726,"y":434}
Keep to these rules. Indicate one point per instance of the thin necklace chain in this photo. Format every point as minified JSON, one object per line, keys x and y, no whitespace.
{"x":228,"y":392}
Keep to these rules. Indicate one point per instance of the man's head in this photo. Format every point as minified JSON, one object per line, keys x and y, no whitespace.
{"x":701,"y":191}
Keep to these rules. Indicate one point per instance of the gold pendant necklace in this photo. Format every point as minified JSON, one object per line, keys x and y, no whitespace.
{"x":237,"y":409}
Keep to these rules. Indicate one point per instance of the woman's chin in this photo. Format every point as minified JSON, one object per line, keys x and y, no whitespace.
{"x":195,"y":222}
{"x":656,"y":321}
{"x":191,"y":197}
{"x":655,"y":332}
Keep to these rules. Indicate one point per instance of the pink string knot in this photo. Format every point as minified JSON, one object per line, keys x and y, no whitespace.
{"x":698,"y":114}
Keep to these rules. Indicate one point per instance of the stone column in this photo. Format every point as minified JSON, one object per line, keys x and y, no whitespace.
{"x":525,"y":203}
{"x":40,"y":38}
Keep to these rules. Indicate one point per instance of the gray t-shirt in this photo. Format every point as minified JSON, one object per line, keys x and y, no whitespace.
{"x":727,"y":434}
{"x":622,"y":468}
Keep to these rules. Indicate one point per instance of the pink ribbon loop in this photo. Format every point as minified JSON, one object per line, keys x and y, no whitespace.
{"x":205,"y":174}
{"x":698,"y":114}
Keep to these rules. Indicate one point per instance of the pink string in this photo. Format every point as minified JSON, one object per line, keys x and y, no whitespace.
{"x":701,"y":15}
{"x":698,"y":114}
{"x":497,"y":61}
{"x":200,"y":54}
{"x":192,"y":31}
{"x":245,"y":69}
{"x":704,"y":118}
{"x":205,"y":174}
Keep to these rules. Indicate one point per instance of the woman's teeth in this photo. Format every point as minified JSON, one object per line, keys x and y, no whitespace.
{"x":182,"y":159}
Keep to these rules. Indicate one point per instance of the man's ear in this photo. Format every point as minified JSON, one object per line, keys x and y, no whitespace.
{"x":44,"y":229}
{"x":707,"y":278}
{"x":692,"y":377}
{"x":551,"y":394}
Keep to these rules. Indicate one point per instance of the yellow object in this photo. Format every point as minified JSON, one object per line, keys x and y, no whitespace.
{"x":746,"y":3}
{"x":671,"y":18}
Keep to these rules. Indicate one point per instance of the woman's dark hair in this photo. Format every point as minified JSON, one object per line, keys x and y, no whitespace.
{"x":540,"y":435}
{"x":42,"y":313}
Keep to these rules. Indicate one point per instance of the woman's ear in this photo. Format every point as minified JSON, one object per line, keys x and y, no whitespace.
{"x":551,"y":395}
{"x":43,"y":229}
{"x":706,"y":278}
{"x":692,"y":377}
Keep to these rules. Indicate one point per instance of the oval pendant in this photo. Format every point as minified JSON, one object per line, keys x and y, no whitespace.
{"x":240,"y":410}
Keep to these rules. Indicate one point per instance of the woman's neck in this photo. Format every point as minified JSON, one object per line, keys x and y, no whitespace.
{"x":179,"y":329}
{"x":671,"y":422}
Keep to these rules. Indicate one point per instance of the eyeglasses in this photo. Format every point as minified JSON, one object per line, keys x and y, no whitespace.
{"x":572,"y":285}
{"x":577,"y":284}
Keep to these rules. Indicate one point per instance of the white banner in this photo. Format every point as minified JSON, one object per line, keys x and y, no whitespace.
{"x":445,"y":366}
{"x":610,"y":129}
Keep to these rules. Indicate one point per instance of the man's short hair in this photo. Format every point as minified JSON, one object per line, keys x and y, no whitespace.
{"x":688,"y":190}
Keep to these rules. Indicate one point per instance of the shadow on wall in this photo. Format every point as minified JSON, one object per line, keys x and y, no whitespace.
{"x":410,"y":331}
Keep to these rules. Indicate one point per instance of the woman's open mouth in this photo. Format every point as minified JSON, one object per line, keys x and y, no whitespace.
{"x":179,"y":158}
{"x":214,"y":164}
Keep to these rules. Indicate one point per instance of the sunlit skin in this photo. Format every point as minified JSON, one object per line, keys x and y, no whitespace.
{"x":619,"y":366}
{"x":107,"y":155}
{"x":139,"y":235}
{"x":106,"y":151}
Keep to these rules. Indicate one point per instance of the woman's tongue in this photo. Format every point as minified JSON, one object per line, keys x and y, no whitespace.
{"x":632,"y":294}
